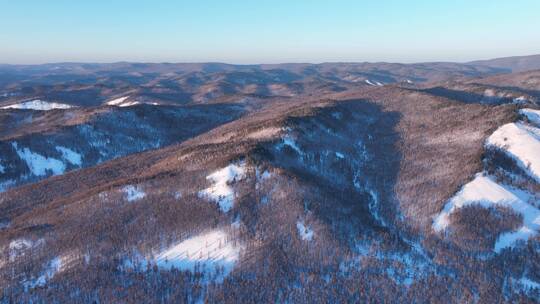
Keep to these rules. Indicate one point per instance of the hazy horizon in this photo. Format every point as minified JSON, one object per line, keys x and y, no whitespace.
{"x":266,"y":32}
{"x":255,"y":63}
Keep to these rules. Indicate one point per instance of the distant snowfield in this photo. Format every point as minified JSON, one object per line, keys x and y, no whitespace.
{"x":38,"y":105}
{"x":206,"y":252}
{"x":116,"y":101}
{"x":520,"y":142}
{"x":39,"y":165}
{"x":121,"y":102}
{"x":221,"y":191}
{"x":374,"y":83}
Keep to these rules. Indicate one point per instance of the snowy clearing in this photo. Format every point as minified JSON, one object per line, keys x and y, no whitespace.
{"x":205,"y":253}
{"x":304,"y":231}
{"x":71,"y":156}
{"x":484,"y":191}
{"x":116,"y":101}
{"x":373,"y":83}
{"x":520,"y":142}
{"x":221,"y":192}
{"x":133,"y":193}
{"x":532,"y":115}
{"x":39,"y":165}
{"x":38,"y":105}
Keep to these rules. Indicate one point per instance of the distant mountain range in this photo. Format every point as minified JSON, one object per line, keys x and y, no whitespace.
{"x":514,"y":64}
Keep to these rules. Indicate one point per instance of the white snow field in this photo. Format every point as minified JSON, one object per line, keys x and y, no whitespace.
{"x":532,"y":115}
{"x":38,"y":164}
{"x":221,"y":191}
{"x":304,"y":231}
{"x":38,"y":105}
{"x":522,"y":143}
{"x":133,"y":193}
{"x":206,"y":253}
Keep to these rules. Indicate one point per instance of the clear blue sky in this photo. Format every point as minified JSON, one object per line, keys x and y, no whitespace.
{"x":263,"y":31}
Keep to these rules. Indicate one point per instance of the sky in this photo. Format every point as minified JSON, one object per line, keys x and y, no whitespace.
{"x":265,"y":31}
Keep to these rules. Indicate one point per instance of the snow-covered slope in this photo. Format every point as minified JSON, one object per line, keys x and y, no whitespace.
{"x":522,"y":143}
{"x":38,"y":105}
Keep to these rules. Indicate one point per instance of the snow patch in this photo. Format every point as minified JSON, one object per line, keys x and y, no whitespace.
{"x":20,"y":247}
{"x":532,"y":115}
{"x":133,"y":193}
{"x":305,"y":232}
{"x":116,"y":101}
{"x":129,"y":104}
{"x":521,"y":99}
{"x":206,"y":253}
{"x":178,"y":195}
{"x":340,"y":155}
{"x":38,"y":105}
{"x":221,"y":192}
{"x":373,"y":83}
{"x":289,"y":141}
{"x":520,"y":142}
{"x":39,"y":165}
{"x":55,"y":266}
{"x":71,"y":156}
